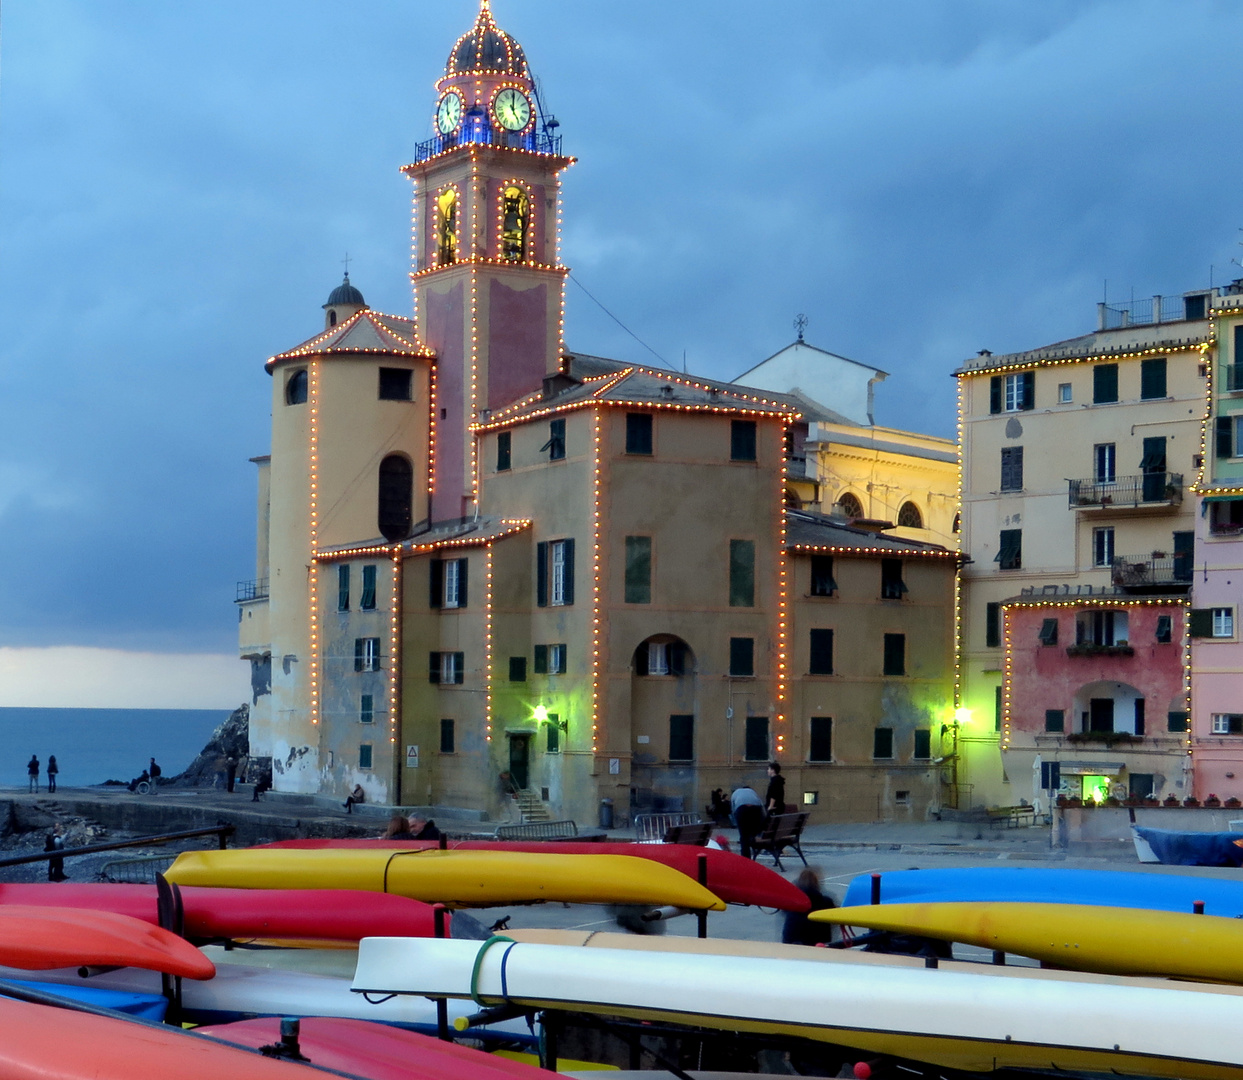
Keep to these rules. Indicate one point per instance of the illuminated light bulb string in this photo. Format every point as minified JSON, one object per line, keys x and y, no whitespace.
{"x":313,"y":529}
{"x":394,"y":646}
{"x":782,"y":613}
{"x":487,"y":644}
{"x":595,"y":581}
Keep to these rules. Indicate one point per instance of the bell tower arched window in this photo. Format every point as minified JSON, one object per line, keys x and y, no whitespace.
{"x":396,"y":497}
{"x":515,"y":216}
{"x":446,"y":227}
{"x":850,"y":505}
{"x":909,"y":516}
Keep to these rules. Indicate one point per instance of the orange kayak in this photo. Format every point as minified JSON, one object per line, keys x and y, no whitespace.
{"x":42,"y":1043}
{"x":40,"y":939}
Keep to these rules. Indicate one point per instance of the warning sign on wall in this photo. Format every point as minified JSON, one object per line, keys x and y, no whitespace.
{"x":412,"y":757}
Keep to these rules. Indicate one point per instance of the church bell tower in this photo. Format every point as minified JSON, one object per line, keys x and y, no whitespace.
{"x":488,"y":281}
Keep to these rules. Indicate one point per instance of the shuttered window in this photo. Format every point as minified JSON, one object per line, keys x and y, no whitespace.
{"x":638,"y":433}
{"x":895,"y":654}
{"x":1011,"y":468}
{"x":504,"y":451}
{"x":822,"y":583}
{"x":742,"y":657}
{"x":343,"y":587}
{"x":366,"y":601}
{"x":820,"y":741}
{"x":756,"y":746}
{"x":821,"y":661}
{"x":742,"y":440}
{"x":1152,"y":378}
{"x":681,"y":738}
{"x":992,"y":625}
{"x":638,"y":570}
{"x":882,"y":742}
{"x":742,"y":573}
{"x":1104,"y":384}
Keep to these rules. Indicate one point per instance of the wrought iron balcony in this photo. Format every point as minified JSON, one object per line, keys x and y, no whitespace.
{"x":478,"y":131}
{"x":251,"y":590}
{"x":1139,"y":572}
{"x":1146,"y":489}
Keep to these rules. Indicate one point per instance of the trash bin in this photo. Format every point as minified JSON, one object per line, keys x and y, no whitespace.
{"x":606,"y":813}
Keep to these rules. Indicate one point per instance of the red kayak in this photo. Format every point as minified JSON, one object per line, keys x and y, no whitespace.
{"x":41,"y":939}
{"x":377,"y":1051}
{"x":210,"y":914}
{"x":43,"y":1043}
{"x":734,"y":879}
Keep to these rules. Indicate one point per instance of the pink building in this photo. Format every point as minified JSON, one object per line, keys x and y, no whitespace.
{"x":1094,"y":693}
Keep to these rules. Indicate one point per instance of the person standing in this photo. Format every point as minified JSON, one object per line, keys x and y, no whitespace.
{"x":56,"y":842}
{"x":748,"y":814}
{"x":230,"y":772}
{"x":154,"y":773}
{"x":52,"y":770}
{"x":775,"y":796}
{"x":32,"y":773}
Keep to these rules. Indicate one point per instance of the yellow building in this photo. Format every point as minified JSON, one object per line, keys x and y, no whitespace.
{"x":495,"y":567}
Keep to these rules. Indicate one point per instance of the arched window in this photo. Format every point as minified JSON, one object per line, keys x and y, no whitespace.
{"x":663,"y":654}
{"x":295,"y":388}
{"x":850,"y":505}
{"x":446,"y":227}
{"x":515,"y":215}
{"x":332,"y":318}
{"x":396,"y":497}
{"x":909,"y":516}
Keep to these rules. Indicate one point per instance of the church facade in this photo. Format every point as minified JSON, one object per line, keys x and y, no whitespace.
{"x":492,"y":570}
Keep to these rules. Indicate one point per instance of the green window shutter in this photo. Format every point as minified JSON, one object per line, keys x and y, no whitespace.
{"x":891,"y":584}
{"x":992,"y":625}
{"x":1225,"y":436}
{"x":343,"y":587}
{"x":358,"y":653}
{"x":677,"y":658}
{"x":756,"y":744}
{"x":552,"y":734}
{"x":541,"y":574}
{"x":461,"y":581}
{"x":1152,"y":378}
{"x":1201,"y":623}
{"x":567,"y":591}
{"x":742,"y":657}
{"x":433,"y":666}
{"x":742,"y":444}
{"x":435,"y":583}
{"x":895,"y":654}
{"x":364,"y":756}
{"x":459,"y":668}
{"x":821,"y":662}
{"x":504,"y":451}
{"x":1176,"y":721}
{"x":1104,"y":383}
{"x":820,"y":744}
{"x":923,"y":743}
{"x":1055,"y":720}
{"x":638,"y":570}
{"x":1048,"y":632}
{"x":541,"y":659}
{"x":822,"y":583}
{"x":1027,"y":390}
{"x":994,"y":394}
{"x":366,"y":709}
{"x":367,"y":600}
{"x":742,"y":573}
{"x":681,"y":738}
{"x":446,"y":736}
{"x":517,"y":669}
{"x":638,"y":433}
{"x":882,"y":742}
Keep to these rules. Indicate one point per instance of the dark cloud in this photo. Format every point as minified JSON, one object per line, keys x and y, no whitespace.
{"x":178,"y":185}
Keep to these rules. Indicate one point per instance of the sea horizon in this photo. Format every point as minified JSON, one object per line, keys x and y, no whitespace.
{"x":93,"y":746}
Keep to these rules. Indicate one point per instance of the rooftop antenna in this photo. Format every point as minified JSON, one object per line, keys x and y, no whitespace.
{"x":684,"y":371}
{"x":800,"y":324}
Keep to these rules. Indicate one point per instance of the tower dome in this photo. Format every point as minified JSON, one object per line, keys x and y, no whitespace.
{"x":343,"y":301}
{"x":486,"y":48}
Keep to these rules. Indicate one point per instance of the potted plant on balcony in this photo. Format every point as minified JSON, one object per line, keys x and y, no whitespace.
{"x":1152,"y":800}
{"x":1212,"y":801}
{"x":1171,"y":800}
{"x":1112,"y":800}
{"x":1233,"y":803}
{"x":1191,"y":800}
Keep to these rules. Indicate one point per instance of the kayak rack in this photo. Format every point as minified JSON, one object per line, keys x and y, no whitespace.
{"x":222,"y":831}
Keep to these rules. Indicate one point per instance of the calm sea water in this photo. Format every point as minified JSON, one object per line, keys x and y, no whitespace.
{"x":94,"y":745}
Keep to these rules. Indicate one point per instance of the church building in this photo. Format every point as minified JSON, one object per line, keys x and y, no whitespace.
{"x":497,"y":574}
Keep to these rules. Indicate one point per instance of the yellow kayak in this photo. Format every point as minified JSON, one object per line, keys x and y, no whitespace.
{"x":1112,"y":941}
{"x":457,"y":878}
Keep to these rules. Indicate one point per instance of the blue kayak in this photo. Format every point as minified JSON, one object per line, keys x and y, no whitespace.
{"x":148,"y":1006}
{"x":1101,"y":888}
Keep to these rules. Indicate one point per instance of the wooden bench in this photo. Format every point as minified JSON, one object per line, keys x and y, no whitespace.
{"x":697,"y":834}
{"x":538,"y":830}
{"x":782,"y":831}
{"x":653,"y":828}
{"x":1011,"y":817}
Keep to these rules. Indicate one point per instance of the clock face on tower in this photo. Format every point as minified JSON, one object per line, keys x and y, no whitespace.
{"x":512,"y":109}
{"x":449,"y":113}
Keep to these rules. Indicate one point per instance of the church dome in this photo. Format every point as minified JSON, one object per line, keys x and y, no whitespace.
{"x":487,"y":48}
{"x":345,"y":293}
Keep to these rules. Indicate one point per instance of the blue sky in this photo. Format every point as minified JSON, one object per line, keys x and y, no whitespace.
{"x":180,"y":182}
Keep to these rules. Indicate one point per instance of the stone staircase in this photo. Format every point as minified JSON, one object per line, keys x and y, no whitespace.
{"x":530,"y":807}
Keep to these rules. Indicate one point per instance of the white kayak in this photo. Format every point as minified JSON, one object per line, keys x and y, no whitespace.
{"x":973,"y":1017}
{"x":241,"y":992}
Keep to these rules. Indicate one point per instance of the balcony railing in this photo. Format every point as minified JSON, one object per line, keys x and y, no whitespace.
{"x":252,"y":590}
{"x":1147,"y":571}
{"x":1151,"y":488}
{"x":1088,"y":648}
{"x":477,"y":131}
{"x":1149,"y":310}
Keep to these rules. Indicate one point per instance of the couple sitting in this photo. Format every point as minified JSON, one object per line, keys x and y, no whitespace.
{"x":415,"y":828}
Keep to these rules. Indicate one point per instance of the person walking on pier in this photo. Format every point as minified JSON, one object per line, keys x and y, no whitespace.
{"x":52,"y":770}
{"x":32,"y":772}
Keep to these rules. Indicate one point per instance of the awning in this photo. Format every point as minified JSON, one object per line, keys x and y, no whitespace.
{"x":1091,"y":768}
{"x":1236,"y":497}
